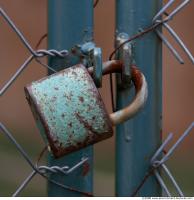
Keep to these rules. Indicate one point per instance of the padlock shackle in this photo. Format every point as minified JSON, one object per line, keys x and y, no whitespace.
{"x":141,"y":91}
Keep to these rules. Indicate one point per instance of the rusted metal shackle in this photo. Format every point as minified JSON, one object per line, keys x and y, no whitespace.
{"x":140,"y":98}
{"x":70,"y":112}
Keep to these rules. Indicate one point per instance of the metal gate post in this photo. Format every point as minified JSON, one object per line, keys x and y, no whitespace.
{"x":70,"y":22}
{"x":137,"y":139}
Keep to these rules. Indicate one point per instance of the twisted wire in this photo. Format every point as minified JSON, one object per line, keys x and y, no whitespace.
{"x":38,"y":170}
{"x":52,"y":52}
{"x":64,"y":170}
{"x":54,"y":169}
{"x":39,"y":53}
{"x":155,"y":164}
{"x":156,"y":23}
{"x":36,"y":54}
{"x":41,"y":170}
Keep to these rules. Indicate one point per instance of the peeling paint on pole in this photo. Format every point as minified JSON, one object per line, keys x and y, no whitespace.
{"x":70,"y":22}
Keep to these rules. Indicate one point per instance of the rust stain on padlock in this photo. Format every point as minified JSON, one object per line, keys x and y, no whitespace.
{"x":86,"y":168}
{"x":69,"y":110}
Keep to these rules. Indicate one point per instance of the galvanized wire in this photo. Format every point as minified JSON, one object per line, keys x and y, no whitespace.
{"x":157,"y":22}
{"x":157,"y":19}
{"x":158,"y":160}
{"x":157,"y":163}
{"x":41,"y":170}
{"x":35,"y":54}
{"x":40,"y":53}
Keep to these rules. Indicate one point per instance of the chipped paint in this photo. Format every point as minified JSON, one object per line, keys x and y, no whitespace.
{"x":68,"y":106}
{"x":86,"y":168}
{"x":70,"y":112}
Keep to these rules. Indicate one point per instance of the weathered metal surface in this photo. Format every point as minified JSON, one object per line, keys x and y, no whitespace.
{"x":68,"y":106}
{"x":125,"y":54}
{"x":97,"y":62}
{"x":138,"y":138}
{"x":70,"y":23}
{"x":70,"y":112}
{"x":141,"y":91}
{"x":138,"y":102}
{"x":91,"y":55}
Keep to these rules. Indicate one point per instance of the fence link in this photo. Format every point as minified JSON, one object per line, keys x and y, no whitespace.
{"x":157,"y":162}
{"x":42,"y":170}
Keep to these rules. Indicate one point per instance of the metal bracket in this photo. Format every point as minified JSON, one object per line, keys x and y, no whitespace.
{"x":91,"y":56}
{"x":124,"y":54}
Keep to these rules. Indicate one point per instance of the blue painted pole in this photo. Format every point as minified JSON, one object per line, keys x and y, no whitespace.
{"x":137,"y":139}
{"x":70,"y":22}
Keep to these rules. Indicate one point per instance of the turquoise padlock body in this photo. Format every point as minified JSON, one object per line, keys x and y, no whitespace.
{"x":69,"y":110}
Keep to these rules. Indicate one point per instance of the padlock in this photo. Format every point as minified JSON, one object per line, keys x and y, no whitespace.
{"x":69,"y":110}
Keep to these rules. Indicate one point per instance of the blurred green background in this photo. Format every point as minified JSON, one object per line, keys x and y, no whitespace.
{"x":178,"y":98}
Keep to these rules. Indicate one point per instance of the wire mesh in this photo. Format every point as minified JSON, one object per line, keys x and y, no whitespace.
{"x":41,"y":170}
{"x":157,"y":162}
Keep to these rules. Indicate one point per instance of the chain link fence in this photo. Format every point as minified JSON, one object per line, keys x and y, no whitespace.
{"x":158,"y":165}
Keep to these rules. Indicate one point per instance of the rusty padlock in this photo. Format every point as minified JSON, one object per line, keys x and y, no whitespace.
{"x":69,"y":110}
